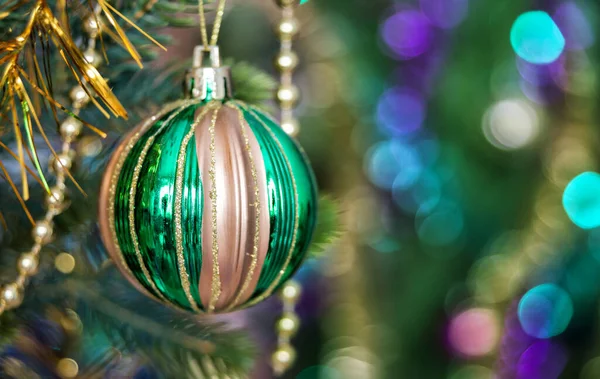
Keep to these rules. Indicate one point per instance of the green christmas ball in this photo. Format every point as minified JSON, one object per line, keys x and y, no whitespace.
{"x":208,"y":206}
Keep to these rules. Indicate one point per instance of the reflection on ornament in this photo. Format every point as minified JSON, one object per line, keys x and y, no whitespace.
{"x":209,"y":205}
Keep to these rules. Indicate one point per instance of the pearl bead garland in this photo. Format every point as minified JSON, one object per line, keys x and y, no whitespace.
{"x":287,"y":327}
{"x":286,"y":61}
{"x":11,"y":294}
{"x":287,"y":96}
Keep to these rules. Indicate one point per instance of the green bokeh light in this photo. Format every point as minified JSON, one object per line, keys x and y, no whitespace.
{"x":536,"y":38}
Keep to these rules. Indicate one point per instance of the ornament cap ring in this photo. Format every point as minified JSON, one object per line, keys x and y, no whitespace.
{"x":208,"y":80}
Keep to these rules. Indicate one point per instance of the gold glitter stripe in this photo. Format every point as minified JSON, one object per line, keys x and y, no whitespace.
{"x":181,"y":158}
{"x":115,"y":177}
{"x":256,"y":206}
{"x":275,"y":283}
{"x":132,"y":191}
{"x":216,"y":277}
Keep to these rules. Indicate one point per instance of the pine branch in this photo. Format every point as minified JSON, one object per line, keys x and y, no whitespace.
{"x":168,"y":338}
{"x":329,"y":226}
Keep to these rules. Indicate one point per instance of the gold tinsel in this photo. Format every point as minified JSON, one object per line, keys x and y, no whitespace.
{"x":26,"y":81}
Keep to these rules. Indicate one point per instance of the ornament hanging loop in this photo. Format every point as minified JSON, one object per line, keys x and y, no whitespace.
{"x":208,"y":80}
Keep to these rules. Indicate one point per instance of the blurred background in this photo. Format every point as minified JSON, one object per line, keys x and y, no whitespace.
{"x":459,"y":138}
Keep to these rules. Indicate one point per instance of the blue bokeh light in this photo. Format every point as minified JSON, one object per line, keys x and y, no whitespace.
{"x":536,"y":38}
{"x":393,"y":163}
{"x":581,"y":200}
{"x":545,"y":311}
{"x":400,"y":111}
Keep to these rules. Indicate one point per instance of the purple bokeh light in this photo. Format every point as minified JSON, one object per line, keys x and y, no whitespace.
{"x":408,"y":33}
{"x":542,"y":360}
{"x":445,"y":14}
{"x":400,"y":111}
{"x":574,"y":26}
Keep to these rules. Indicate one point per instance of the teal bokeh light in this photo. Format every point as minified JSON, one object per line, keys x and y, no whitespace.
{"x":545,"y":311}
{"x":536,"y":38}
{"x":581,"y":200}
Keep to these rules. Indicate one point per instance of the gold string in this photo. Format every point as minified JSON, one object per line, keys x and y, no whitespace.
{"x":216,"y":26}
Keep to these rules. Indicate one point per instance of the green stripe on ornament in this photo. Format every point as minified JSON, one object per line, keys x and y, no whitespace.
{"x":155,"y":208}
{"x":307,"y":193}
{"x":121,"y":205}
{"x":192,"y":207}
{"x":281,"y":204}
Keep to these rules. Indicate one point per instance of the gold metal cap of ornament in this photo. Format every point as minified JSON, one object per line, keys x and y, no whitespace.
{"x":207,"y":80}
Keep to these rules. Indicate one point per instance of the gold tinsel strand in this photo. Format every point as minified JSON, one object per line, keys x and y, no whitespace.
{"x":26,"y":80}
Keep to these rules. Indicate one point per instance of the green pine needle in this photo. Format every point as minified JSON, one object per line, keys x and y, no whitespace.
{"x":329,"y":226}
{"x":251,"y":85}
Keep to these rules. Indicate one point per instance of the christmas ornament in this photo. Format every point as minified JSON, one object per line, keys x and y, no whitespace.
{"x":208,"y":206}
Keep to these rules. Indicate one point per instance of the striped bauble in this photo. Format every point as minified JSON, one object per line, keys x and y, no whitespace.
{"x":208,"y":207}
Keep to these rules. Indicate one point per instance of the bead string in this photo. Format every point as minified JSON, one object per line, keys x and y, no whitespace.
{"x":286,"y":61}
{"x":287,"y":326}
{"x":287,"y":96}
{"x":11,"y":294}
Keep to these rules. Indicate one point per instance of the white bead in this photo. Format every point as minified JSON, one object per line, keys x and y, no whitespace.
{"x":92,"y":57}
{"x":66,"y":162}
{"x":288,"y":95}
{"x":28,"y":263}
{"x":42,"y":232}
{"x":283,"y":358}
{"x":288,"y":28}
{"x":12,"y":295}
{"x":70,"y":128}
{"x":291,"y":127}
{"x":79,"y":96}
{"x":91,"y":26}
{"x":286,"y":60}
{"x":55,"y":200}
{"x":288,"y":324}
{"x":291,"y":291}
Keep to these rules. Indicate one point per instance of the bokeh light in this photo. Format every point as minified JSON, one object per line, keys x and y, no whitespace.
{"x":574,"y":25}
{"x":591,"y":370}
{"x":545,"y":311}
{"x":542,"y":360}
{"x":424,"y":194}
{"x":536,"y":38}
{"x":511,"y":124}
{"x":441,"y":225}
{"x":408,"y":33}
{"x":400,"y":111}
{"x":474,"y":332}
{"x":392,"y":163}
{"x":445,"y":14}
{"x":581,"y":200}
